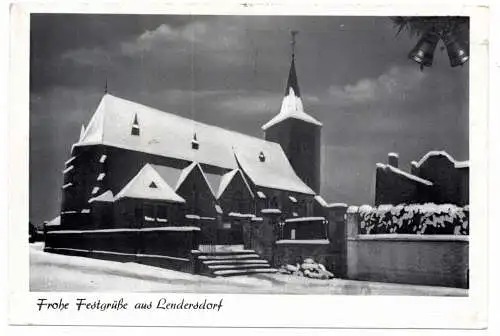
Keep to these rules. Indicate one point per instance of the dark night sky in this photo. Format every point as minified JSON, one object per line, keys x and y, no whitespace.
{"x":230,"y":71}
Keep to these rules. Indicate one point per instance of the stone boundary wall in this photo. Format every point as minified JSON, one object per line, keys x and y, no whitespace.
{"x":436,"y":260}
{"x":167,"y":247}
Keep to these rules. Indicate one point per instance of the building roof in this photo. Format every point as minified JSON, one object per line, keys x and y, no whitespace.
{"x":291,"y":106}
{"x":226,"y":180}
{"x":188,"y":171}
{"x":106,"y":196}
{"x":274,"y":172}
{"x":169,"y":135}
{"x":148,"y":184}
{"x":457,"y":164}
{"x":404,"y":174}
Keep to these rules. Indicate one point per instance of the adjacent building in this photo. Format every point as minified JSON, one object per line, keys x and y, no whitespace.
{"x":436,"y":178}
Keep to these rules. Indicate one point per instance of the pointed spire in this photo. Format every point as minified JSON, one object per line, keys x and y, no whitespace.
{"x":292,"y":75}
{"x":292,"y":107}
{"x":82,"y":132}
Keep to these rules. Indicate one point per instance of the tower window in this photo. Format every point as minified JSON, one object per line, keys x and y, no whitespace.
{"x":135,"y":127}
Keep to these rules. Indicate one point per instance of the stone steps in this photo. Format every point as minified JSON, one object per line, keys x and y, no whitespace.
{"x":231,"y":263}
{"x":226,"y":273}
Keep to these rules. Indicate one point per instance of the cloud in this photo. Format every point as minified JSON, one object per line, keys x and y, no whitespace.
{"x":394,"y":84}
{"x":208,"y":35}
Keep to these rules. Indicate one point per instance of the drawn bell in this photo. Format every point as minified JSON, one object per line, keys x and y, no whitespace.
{"x":458,"y":50}
{"x":423,"y":52}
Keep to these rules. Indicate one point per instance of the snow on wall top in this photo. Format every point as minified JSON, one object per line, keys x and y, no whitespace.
{"x":54,"y":222}
{"x":141,"y":187}
{"x":457,"y":164}
{"x":169,"y":135}
{"x":291,"y":107}
{"x":404,"y":174}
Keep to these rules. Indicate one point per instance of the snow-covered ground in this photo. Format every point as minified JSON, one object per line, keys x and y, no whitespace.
{"x":53,"y":272}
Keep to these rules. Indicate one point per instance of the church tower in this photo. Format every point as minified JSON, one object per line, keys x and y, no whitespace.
{"x":298,"y":133}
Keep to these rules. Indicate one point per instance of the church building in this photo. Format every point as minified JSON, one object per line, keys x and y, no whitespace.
{"x":138,"y":167}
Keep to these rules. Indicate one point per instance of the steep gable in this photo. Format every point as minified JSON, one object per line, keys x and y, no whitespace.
{"x":148,"y":184}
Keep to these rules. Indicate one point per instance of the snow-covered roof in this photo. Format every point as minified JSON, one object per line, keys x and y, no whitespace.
{"x":393,"y":154}
{"x":141,"y":187}
{"x":291,"y":107}
{"x":169,"y":135}
{"x":106,"y":196}
{"x":187,"y":171}
{"x":457,"y":164}
{"x":275,"y":172}
{"x":226,"y":180}
{"x":261,"y":194}
{"x":405,"y":174}
{"x":82,"y":133}
{"x":169,"y":174}
{"x":321,"y":200}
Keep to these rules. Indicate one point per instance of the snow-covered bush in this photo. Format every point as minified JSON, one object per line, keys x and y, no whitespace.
{"x":426,"y":219}
{"x":308,"y":268}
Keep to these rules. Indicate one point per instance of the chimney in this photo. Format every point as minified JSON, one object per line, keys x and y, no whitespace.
{"x":393,"y":159}
{"x":414,"y":168}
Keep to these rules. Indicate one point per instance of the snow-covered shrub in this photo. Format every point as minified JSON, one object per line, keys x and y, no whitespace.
{"x":308,"y":268}
{"x":426,"y":218}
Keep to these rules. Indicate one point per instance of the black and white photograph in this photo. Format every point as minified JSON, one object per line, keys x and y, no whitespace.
{"x":249,"y":154}
{"x":255,"y":165}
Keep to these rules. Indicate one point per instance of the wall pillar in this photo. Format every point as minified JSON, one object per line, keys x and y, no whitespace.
{"x":337,"y":237}
{"x":264,"y":235}
{"x":351,"y":234}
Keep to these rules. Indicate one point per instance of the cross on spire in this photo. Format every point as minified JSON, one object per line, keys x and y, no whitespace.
{"x":292,"y":75}
{"x":293,"y":33}
{"x":106,"y":86}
